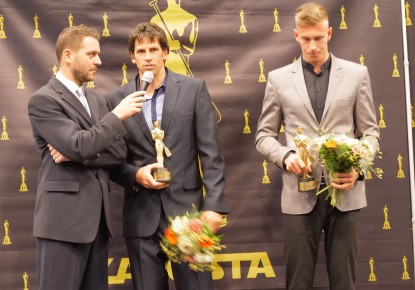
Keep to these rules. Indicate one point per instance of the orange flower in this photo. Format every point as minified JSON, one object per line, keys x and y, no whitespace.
{"x":205,"y":242}
{"x":170,"y":236}
{"x":331,"y":144}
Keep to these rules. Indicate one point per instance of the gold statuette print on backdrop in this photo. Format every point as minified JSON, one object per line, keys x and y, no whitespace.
{"x":4,"y":134}
{"x":382,"y":123}
{"x":395,"y":73}
{"x":401,"y":173}
{"x":262,"y":78}
{"x":265,"y":178}
{"x":20,"y":84}
{"x":247,"y":129}
{"x":25,"y":281}
{"x":412,"y":116}
{"x":343,"y":24}
{"x":23,"y":185}
{"x":242,"y":28}
{"x":372,"y":275}
{"x":362,"y":59}
{"x":36,"y":33}
{"x":55,"y":69}
{"x":386,"y":224}
{"x":70,"y":20}
{"x":277,"y":27}
{"x":408,"y":14}
{"x":2,"y":31}
{"x":405,"y":274}
{"x":105,"y":32}
{"x":376,"y":23}
{"x":124,"y":74}
{"x":6,"y":240}
{"x":228,"y":79}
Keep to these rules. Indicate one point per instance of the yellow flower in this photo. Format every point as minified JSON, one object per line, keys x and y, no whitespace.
{"x":331,"y":144}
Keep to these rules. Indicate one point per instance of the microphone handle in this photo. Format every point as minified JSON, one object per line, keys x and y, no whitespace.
{"x":143,"y":86}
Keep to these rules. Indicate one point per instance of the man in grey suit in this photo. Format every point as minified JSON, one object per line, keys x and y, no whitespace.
{"x":183,"y":108}
{"x":319,"y":93}
{"x":78,"y":139}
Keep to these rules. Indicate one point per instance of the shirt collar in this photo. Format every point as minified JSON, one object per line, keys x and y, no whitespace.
{"x":161,"y":88}
{"x":310,"y":67}
{"x":67,"y":82}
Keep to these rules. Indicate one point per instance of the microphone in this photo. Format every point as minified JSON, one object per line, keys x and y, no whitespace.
{"x":146,"y":80}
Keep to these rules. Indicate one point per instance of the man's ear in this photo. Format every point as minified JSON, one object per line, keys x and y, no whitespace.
{"x":329,"y":33}
{"x":66,"y":55}
{"x":296,"y":34}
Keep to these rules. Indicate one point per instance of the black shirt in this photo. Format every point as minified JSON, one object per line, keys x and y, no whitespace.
{"x":317,"y":85}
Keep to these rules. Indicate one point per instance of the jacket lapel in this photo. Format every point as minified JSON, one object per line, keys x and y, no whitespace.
{"x":137,"y":119}
{"x":170,"y":99}
{"x":299,"y":84}
{"x":336,"y":76}
{"x":93,"y":107}
{"x":68,"y":97}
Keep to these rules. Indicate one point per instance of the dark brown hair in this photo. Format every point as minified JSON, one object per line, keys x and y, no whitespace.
{"x":148,"y":30}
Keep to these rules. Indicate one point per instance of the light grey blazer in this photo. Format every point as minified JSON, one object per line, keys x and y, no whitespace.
{"x":349,"y":109}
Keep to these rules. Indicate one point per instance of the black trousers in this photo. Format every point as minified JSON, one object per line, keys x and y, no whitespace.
{"x":72,"y":266}
{"x":148,"y":262}
{"x":302,"y":234}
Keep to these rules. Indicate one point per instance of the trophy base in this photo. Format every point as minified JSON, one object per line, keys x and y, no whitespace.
{"x":161,"y":175}
{"x":306,"y":184}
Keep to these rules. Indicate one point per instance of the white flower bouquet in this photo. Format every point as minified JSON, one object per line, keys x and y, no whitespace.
{"x":188,"y":239}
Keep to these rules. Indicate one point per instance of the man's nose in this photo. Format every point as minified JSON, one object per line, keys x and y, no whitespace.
{"x":98,"y":61}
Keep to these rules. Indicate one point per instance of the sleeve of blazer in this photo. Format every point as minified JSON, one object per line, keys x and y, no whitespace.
{"x":210,"y":156}
{"x":269,"y":124}
{"x":114,"y":154}
{"x":58,"y":125}
{"x":365,"y":116}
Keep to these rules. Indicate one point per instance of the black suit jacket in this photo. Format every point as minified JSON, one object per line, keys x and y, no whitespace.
{"x":190,"y":131}
{"x":71,"y":195}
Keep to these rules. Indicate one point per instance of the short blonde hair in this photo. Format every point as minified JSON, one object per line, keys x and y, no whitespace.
{"x":310,"y":14}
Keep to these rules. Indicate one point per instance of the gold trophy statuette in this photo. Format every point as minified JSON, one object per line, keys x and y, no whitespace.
{"x":306,"y":183}
{"x":161,"y":174}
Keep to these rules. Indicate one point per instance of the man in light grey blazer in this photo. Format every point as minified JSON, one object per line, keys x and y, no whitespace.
{"x":318,"y":93}
{"x":183,"y":108}
{"x":78,"y":140}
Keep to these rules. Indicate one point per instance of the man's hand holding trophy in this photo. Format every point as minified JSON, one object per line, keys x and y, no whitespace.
{"x":306,"y":182}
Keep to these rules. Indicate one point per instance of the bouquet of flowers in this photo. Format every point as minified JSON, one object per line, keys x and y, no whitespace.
{"x":339,"y":154}
{"x":188,"y":239}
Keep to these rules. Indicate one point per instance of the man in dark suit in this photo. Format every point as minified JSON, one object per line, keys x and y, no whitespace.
{"x":78,"y":139}
{"x":183,"y":108}
{"x":317,"y":93}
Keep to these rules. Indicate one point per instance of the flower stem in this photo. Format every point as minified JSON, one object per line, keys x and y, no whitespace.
{"x":327,"y":187}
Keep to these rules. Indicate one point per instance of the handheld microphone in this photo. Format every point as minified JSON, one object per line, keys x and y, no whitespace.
{"x":146,"y":80}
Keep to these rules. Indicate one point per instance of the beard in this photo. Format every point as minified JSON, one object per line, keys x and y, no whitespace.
{"x":82,"y":74}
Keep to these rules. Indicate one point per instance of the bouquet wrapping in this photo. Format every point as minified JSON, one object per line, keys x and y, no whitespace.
{"x":188,"y":239}
{"x":339,"y":153}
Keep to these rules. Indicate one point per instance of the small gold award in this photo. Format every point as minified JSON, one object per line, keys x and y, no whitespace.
{"x":160,"y":174}
{"x":306,"y":183}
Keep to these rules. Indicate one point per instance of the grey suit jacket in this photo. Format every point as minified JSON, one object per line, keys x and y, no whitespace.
{"x":71,"y":195}
{"x":349,"y":109}
{"x":190,"y":131}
